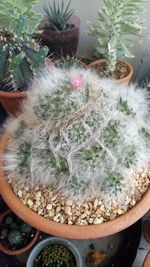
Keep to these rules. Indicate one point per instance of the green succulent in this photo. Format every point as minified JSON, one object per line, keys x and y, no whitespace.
{"x":25,"y":228}
{"x":14,"y":237}
{"x":68,"y":61}
{"x":118,"y":21}
{"x":113,"y":181}
{"x":3,"y":233}
{"x":20,"y":56}
{"x":24,"y":158}
{"x":9,"y":220}
{"x":58,"y":15}
{"x":124,"y":107}
{"x":17,"y":16}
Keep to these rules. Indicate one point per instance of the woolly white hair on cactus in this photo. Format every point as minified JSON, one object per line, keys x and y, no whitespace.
{"x":81,"y":135}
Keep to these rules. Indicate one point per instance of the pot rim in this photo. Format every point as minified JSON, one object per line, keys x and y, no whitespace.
{"x":65,"y":230}
{"x":13,"y":95}
{"x":21,"y":250}
{"x":54,"y":240}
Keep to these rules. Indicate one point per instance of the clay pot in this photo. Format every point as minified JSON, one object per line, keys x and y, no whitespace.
{"x":124,"y":81}
{"x":11,"y":102}
{"x":61,"y":43}
{"x":21,"y":250}
{"x":63,"y":230}
{"x":147,"y":260}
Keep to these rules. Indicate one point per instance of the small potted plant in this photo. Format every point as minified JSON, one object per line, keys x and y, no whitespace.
{"x":16,"y":236}
{"x":20,"y":56}
{"x":56,"y":252}
{"x":118,"y":22}
{"x":78,"y":156}
{"x":60,"y":30}
{"x":69,"y":61}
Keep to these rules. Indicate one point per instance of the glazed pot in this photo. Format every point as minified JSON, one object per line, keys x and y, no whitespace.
{"x":64,"y":230}
{"x":61,"y":43}
{"x":54,"y":240}
{"x":147,"y":260}
{"x":124,"y":81}
{"x":21,"y":250}
{"x":11,"y":102}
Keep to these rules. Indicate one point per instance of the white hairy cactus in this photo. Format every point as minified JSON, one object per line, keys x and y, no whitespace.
{"x":81,"y":135}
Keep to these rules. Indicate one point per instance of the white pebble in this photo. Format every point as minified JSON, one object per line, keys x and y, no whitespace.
{"x":49,"y":206}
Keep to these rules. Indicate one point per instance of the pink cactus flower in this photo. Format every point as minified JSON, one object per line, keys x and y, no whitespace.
{"x":78,"y":81}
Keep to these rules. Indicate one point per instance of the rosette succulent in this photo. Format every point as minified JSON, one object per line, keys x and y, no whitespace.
{"x":80,"y":135}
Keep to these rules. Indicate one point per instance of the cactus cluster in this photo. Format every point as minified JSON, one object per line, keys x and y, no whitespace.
{"x":14,"y":233}
{"x":118,"y":21}
{"x":20,"y":56}
{"x":81,"y":135}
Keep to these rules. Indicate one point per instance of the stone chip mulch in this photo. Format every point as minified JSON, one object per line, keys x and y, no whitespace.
{"x":52,"y":206}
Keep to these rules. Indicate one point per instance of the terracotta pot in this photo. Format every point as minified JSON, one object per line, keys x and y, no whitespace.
{"x":11,"y":102}
{"x":21,"y":250}
{"x":61,"y":43}
{"x":63,"y":230}
{"x":124,"y":81}
{"x":147,"y":260}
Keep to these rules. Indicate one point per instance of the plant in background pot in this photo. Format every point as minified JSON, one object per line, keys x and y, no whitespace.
{"x":118,"y":22}
{"x":80,"y":150}
{"x":20,"y":56}
{"x":60,"y":30}
{"x":69,"y":61}
{"x":56,"y":252}
{"x":16,"y":236}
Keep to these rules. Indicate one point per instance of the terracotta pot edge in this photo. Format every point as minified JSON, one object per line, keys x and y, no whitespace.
{"x":13,"y":95}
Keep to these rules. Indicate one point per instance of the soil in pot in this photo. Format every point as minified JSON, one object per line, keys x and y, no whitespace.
{"x":15,"y":234}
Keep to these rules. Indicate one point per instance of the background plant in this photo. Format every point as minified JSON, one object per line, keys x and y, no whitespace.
{"x":20,"y":56}
{"x":118,"y":22}
{"x":58,"y":15}
{"x":84,"y":135}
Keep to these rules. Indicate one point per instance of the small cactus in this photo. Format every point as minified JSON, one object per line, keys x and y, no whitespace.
{"x":81,"y":135}
{"x":14,"y":237}
{"x":26,"y":228}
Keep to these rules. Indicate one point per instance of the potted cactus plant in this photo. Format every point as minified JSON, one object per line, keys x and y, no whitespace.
{"x":78,"y":155}
{"x":20,"y":56}
{"x":60,"y":30}
{"x":16,"y":236}
{"x":118,"y":22}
